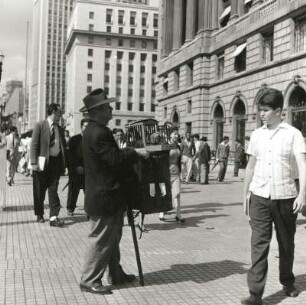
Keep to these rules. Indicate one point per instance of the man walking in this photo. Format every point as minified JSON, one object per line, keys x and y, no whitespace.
{"x":198,"y":145}
{"x":11,"y":154}
{"x":105,"y":165}
{"x":75,"y":168}
{"x":239,"y":154}
{"x":274,"y":198}
{"x":204,"y":159}
{"x":48,"y":160}
{"x":222,"y":157}
{"x":188,"y":151}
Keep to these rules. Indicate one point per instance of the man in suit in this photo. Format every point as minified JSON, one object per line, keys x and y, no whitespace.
{"x":75,"y":168}
{"x":222,"y":157}
{"x":105,"y":165}
{"x":48,"y":160}
{"x":11,"y":154}
{"x":239,"y":154}
{"x":204,"y":159}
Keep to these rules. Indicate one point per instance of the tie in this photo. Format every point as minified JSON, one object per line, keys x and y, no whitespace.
{"x":52,"y":138}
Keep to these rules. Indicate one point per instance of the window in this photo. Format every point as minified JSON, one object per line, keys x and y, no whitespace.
{"x":106,"y":66}
{"x":132,"y":43}
{"x":108,"y":29}
{"x":165,"y":112}
{"x":120,"y":17}
{"x":118,"y":106}
{"x":89,"y":64}
{"x":165,"y":85}
{"x":240,"y":58}
{"x":130,"y":80}
{"x":220,"y":66}
{"x":106,"y":79}
{"x":141,"y":93}
{"x":131,"y":68}
{"x":144,"y":19}
{"x":131,"y":56}
{"x":153,"y":70}
{"x":141,"y":106}
{"x":153,"y":93}
{"x":225,"y":16}
{"x":190,"y":74}
{"x":118,"y":91}
{"x":142,"y":81}
{"x":155,"y":33}
{"x":91,"y":27}
{"x":89,"y":77}
{"x":120,"y":42}
{"x":177,"y":79}
{"x":106,"y":90}
{"x":132,"y":18}
{"x":155,"y":21}
{"x":90,"y":52}
{"x":155,"y":45}
{"x":142,"y":69}
{"x":119,"y":55}
{"x":119,"y":67}
{"x":144,"y":32}
{"x":189,"y":106}
{"x":154,"y":58}
{"x":89,"y":89}
{"x":143,"y":56}
{"x":130,"y":106}
{"x":118,"y":122}
{"x":118,"y":79}
{"x":144,"y":44}
{"x":109,"y":13}
{"x":108,"y":41}
{"x":120,"y":30}
{"x":300,"y":35}
{"x":152,"y":107}
{"x":90,"y":39}
{"x":130,"y":92}
{"x":132,"y":31}
{"x":108,"y":54}
{"x":91,"y":15}
{"x":267,"y":47}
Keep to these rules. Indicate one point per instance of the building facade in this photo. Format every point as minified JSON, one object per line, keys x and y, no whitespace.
{"x":48,"y":65}
{"x":113,"y":45}
{"x":216,"y":56}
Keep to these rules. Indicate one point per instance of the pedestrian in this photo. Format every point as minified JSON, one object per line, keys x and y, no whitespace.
{"x":75,"y":168}
{"x":175,"y":171}
{"x":67,"y":138}
{"x":120,"y":138}
{"x":273,"y":195}
{"x":48,"y":161}
{"x":188,"y":151}
{"x":239,"y":156}
{"x":12,"y":143}
{"x":222,"y":157}
{"x":204,"y":159}
{"x":198,"y":145}
{"x":105,"y":167}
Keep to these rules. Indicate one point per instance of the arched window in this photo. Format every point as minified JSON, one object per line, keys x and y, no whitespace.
{"x":297,"y":104}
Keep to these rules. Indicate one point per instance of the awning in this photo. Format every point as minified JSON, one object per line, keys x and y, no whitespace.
{"x":225,"y":13}
{"x":239,"y":49}
{"x":247,"y":1}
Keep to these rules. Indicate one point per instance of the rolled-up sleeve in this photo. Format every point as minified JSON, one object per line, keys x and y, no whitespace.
{"x":299,"y":145}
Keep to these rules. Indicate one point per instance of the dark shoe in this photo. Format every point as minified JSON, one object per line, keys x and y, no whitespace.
{"x":125,"y":278}
{"x":96,"y":288}
{"x":251,"y":300}
{"x":291,"y":291}
{"x":179,"y":220}
{"x":40,"y":219}
{"x":56,"y":223}
{"x":69,"y":212}
{"x":9,"y":183}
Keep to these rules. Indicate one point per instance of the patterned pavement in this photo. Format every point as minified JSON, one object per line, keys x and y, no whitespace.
{"x":203,"y":261}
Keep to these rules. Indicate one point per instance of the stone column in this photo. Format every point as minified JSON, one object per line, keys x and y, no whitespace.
{"x":215,"y":14}
{"x":178,"y":24}
{"x":168,"y":17}
{"x":234,"y":9}
{"x":241,"y":8}
{"x":191,"y":19}
{"x":201,"y":14}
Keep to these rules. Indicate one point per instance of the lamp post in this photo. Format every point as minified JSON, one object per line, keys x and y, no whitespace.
{"x":1,"y":62}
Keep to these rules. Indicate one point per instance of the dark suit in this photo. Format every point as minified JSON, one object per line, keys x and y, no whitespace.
{"x":76,"y":180}
{"x":49,"y":177}
{"x":204,"y":159}
{"x":239,"y":154}
{"x":222,"y":155}
{"x":104,"y":200}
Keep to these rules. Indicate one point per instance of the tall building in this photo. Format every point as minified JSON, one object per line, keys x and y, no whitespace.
{"x":113,"y":44}
{"x":48,"y":66}
{"x":216,"y":56}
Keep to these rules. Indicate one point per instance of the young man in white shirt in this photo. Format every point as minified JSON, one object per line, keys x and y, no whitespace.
{"x":274,"y":197}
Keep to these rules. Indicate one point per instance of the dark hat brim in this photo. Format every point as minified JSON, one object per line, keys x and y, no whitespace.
{"x":107,"y":101}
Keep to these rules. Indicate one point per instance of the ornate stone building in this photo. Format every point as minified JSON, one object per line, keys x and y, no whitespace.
{"x":216,"y":55}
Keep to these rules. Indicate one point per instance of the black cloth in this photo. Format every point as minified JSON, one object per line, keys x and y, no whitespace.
{"x":104,"y":170}
{"x":263,"y":213}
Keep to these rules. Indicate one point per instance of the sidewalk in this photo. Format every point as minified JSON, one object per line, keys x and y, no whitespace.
{"x":203,"y":261}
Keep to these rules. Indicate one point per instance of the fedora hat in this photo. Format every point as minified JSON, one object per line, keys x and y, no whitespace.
{"x":96,"y":98}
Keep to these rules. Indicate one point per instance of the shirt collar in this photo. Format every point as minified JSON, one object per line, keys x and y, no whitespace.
{"x":281,"y":125}
{"x":50,"y":122}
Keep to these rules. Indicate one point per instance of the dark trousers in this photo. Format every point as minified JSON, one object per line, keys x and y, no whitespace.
{"x":236,"y":168}
{"x":73,"y":194}
{"x":222,"y":170}
{"x":264,"y":212}
{"x":103,"y":249}
{"x":204,"y":171}
{"x":47,"y":180}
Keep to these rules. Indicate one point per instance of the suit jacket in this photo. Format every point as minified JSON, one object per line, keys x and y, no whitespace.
{"x":239,"y":153}
{"x":223,"y":151}
{"x":41,"y":141}
{"x":105,"y":170}
{"x":11,"y":146}
{"x":75,"y":159}
{"x":205,"y":154}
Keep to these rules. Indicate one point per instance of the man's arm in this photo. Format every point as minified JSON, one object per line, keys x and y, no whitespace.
{"x":249,"y":172}
{"x":34,"y":146}
{"x":300,"y":200}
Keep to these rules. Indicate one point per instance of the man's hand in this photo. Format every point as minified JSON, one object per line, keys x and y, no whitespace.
{"x":299,"y":204}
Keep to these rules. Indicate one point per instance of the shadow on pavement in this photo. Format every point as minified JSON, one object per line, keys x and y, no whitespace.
{"x":207,"y":207}
{"x":171,"y":224}
{"x":198,"y":273}
{"x":278,"y":297}
{"x":15,"y":208}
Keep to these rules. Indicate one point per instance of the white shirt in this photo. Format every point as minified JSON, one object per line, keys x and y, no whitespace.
{"x":275,"y":152}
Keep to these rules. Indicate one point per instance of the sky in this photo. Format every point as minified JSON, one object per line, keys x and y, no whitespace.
{"x":14,"y":15}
